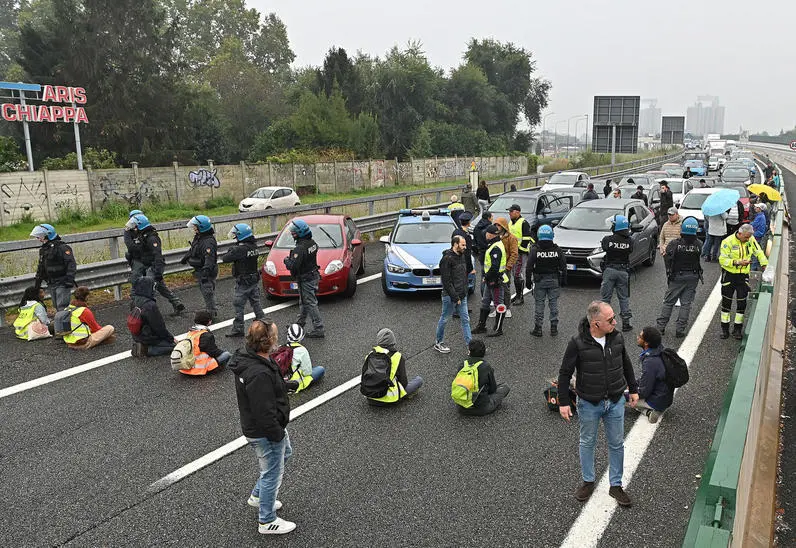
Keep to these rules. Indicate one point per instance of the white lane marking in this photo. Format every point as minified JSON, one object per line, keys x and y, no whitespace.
{"x":66,"y":373}
{"x":238,"y":443}
{"x":588,"y":529}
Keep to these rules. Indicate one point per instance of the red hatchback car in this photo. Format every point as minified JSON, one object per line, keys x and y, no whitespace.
{"x":341,"y":256}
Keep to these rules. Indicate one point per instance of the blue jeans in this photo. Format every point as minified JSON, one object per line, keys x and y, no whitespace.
{"x":448,"y":306}
{"x":613,"y":415}
{"x":271,"y":458}
{"x":223,"y":358}
{"x":712,"y":246}
{"x":317,"y":372}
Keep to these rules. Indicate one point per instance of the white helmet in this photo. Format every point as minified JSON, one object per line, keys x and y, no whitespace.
{"x":295,"y":333}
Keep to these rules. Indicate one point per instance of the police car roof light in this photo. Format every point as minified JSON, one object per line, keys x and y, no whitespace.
{"x":426,"y":216}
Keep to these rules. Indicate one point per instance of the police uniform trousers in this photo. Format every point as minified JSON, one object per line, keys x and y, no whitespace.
{"x":682,"y":286}
{"x":308,"y":301}
{"x":546,"y":288}
{"x":736,"y":284}
{"x":60,"y":294}
{"x":247,"y":289}
{"x":139,"y":270}
{"x":207,"y":287}
{"x":614,"y":278}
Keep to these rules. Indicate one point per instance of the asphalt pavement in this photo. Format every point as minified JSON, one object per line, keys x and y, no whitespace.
{"x":78,"y":454}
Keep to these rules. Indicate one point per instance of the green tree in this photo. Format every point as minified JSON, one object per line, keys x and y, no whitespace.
{"x":365,"y":137}
{"x":471,"y":99}
{"x":339,"y":72}
{"x":11,"y":159}
{"x":321,"y":121}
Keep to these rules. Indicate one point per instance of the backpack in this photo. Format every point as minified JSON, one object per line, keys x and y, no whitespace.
{"x":551,"y":396}
{"x":134,"y":321}
{"x":376,"y":379}
{"x":676,"y":368}
{"x":182,"y":356}
{"x":63,"y":321}
{"x":284,"y":359}
{"x":464,"y":388}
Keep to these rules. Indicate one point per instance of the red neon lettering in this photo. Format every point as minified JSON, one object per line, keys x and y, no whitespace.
{"x":81,"y":115}
{"x":79,"y":96}
{"x":48,"y":94}
{"x":9,"y":112}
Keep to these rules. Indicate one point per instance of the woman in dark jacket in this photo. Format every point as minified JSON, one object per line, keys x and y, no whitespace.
{"x":482,"y":195}
{"x":154,"y":339}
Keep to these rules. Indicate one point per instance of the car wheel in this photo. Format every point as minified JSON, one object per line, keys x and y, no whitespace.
{"x":361,"y":269}
{"x":653,"y":254}
{"x":384,"y":286}
{"x":351,"y":286}
{"x":297,"y":204}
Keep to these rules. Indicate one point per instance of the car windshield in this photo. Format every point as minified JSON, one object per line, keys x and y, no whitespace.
{"x":628,"y":191}
{"x":327,"y":236}
{"x":694,"y":201}
{"x":694,"y":163}
{"x":635,"y":181}
{"x":423,"y":233}
{"x":526,"y":203}
{"x":675,"y":186}
{"x":596,"y":219}
{"x":564,"y":179}
{"x":714,"y":159}
{"x":261,"y":193}
{"x":735,"y":173}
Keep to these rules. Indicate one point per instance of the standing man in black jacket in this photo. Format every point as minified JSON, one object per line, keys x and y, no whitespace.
{"x":480,"y":244}
{"x":465,"y":219}
{"x":243,"y":257}
{"x":453,"y":270}
{"x":607,"y":188}
{"x":604,"y":370}
{"x":303,"y":265}
{"x":203,"y":257}
{"x":667,"y":201}
{"x":264,"y":413}
{"x":639,"y":195}
{"x":590,"y":193}
{"x":57,"y":265}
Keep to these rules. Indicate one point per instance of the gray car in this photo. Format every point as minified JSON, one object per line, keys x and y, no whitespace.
{"x":581,"y":232}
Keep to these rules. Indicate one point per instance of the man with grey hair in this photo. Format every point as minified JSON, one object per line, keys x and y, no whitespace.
{"x":604,"y":370}
{"x":735,"y":258}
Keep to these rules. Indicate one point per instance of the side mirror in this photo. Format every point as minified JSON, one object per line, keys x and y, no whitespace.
{"x":547,"y":211}
{"x":554,"y":222}
{"x":677,"y":205}
{"x":356,"y":241}
{"x":635,"y":227}
{"x":385,"y":239}
{"x":268,"y":243}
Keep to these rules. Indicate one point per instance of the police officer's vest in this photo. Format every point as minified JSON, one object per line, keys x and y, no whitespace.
{"x":488,"y":260}
{"x":204,"y":363}
{"x":54,"y":262}
{"x":686,"y":257}
{"x":618,"y":252}
{"x":150,"y":242}
{"x":523,"y":242}
{"x":395,"y":392}
{"x":247,"y":265}
{"x":79,"y":330}
{"x":548,"y":261}
{"x":303,"y":380}
{"x":26,"y":316}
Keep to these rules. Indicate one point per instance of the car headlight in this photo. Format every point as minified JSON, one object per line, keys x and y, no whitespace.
{"x":597,"y":251}
{"x":334,"y":266}
{"x":395,"y":269}
{"x":270,"y":268}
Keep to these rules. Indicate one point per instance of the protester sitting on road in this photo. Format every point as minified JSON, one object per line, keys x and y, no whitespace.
{"x":304,"y":373}
{"x":207,"y":355}
{"x":31,"y":309}
{"x":384,"y":379}
{"x":85,"y":331}
{"x":655,"y":396}
{"x":474,"y":389}
{"x":264,"y":409}
{"x":154,"y":339}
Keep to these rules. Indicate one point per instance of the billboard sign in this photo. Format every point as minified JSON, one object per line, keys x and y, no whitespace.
{"x":58,"y":103}
{"x":672,"y":130}
{"x":619,"y":114}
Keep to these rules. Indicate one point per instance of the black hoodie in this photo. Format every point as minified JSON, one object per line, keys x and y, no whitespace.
{"x":602,"y":372}
{"x":153,"y":330}
{"x":262,"y":396}
{"x":453,"y":271}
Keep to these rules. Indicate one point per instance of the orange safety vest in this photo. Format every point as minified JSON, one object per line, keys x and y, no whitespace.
{"x":204,"y":363}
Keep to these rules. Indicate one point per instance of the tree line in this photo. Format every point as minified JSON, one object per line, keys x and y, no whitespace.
{"x":192,"y":80}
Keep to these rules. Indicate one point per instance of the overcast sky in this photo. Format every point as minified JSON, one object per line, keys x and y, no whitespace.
{"x":671,"y":51}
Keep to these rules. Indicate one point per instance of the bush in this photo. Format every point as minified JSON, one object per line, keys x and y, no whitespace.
{"x":92,"y":158}
{"x":220,"y":201}
{"x":11,"y":159}
{"x":558,"y":164}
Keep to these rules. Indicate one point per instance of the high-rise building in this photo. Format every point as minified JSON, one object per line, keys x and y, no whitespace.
{"x":649,"y":122}
{"x":706,"y":116}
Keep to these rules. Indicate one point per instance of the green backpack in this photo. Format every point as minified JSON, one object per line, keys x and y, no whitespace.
{"x":464,"y":388}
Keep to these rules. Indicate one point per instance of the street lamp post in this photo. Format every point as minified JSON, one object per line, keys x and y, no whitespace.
{"x":555,"y":142}
{"x":544,"y":129}
{"x":576,"y":130}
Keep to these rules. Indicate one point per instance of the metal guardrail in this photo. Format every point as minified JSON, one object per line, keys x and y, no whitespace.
{"x":735,"y":501}
{"x":114,"y":272}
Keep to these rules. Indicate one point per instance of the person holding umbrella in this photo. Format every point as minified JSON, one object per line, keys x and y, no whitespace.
{"x":714,"y":209}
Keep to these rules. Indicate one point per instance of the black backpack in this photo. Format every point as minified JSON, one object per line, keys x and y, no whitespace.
{"x":676,"y":368}
{"x":376,"y":378}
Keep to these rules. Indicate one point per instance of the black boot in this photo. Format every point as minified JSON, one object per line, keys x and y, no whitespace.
{"x":626,"y":325}
{"x":725,"y":330}
{"x":554,"y":329}
{"x":737,"y":331}
{"x":498,"y":332}
{"x":481,"y":327}
{"x":537,"y":331}
{"x":178,"y":310}
{"x":519,"y":298}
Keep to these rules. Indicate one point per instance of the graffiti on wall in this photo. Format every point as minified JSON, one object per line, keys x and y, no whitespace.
{"x":23,"y":198}
{"x":67,"y":196}
{"x":110,"y":189}
{"x":204,"y":177}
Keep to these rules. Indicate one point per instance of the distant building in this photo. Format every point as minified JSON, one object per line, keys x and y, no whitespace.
{"x":706,"y":116}
{"x":649,"y":121}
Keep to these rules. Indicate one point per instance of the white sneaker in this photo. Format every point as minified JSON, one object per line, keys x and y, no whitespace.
{"x":255,"y":502}
{"x":492,"y":314}
{"x":277,"y":527}
{"x":442,"y":348}
{"x":508,"y":313}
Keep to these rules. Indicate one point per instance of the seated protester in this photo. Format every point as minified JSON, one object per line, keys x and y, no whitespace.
{"x":655,"y":396}
{"x":154,"y":339}
{"x":31,"y":312}
{"x":304,"y":373}
{"x":384,"y":380}
{"x":85,"y":331}
{"x":487,"y":395}
{"x":207,"y":356}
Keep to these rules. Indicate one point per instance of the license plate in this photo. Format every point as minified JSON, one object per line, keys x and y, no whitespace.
{"x":294,"y":285}
{"x":434,"y":280}
{"x":572,"y":267}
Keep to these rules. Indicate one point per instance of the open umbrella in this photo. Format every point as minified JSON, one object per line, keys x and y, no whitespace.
{"x":719,"y":202}
{"x":770,"y":192}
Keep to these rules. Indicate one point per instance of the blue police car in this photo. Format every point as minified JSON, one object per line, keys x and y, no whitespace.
{"x":414,"y":249}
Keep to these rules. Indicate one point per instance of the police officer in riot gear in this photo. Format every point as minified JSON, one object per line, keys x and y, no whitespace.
{"x":204,"y":259}
{"x":616,"y":268}
{"x":145,"y":256}
{"x":303,"y":265}
{"x":546,"y":270}
{"x":243,"y":257}
{"x":684,"y":271}
{"x":57,"y":265}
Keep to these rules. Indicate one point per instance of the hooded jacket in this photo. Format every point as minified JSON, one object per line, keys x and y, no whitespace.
{"x":262,"y":396}
{"x":453,"y":270}
{"x":603,"y":373}
{"x":386,"y":339}
{"x":479,"y":235}
{"x":652,"y":386}
{"x":153,"y":330}
{"x":509,"y":242}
